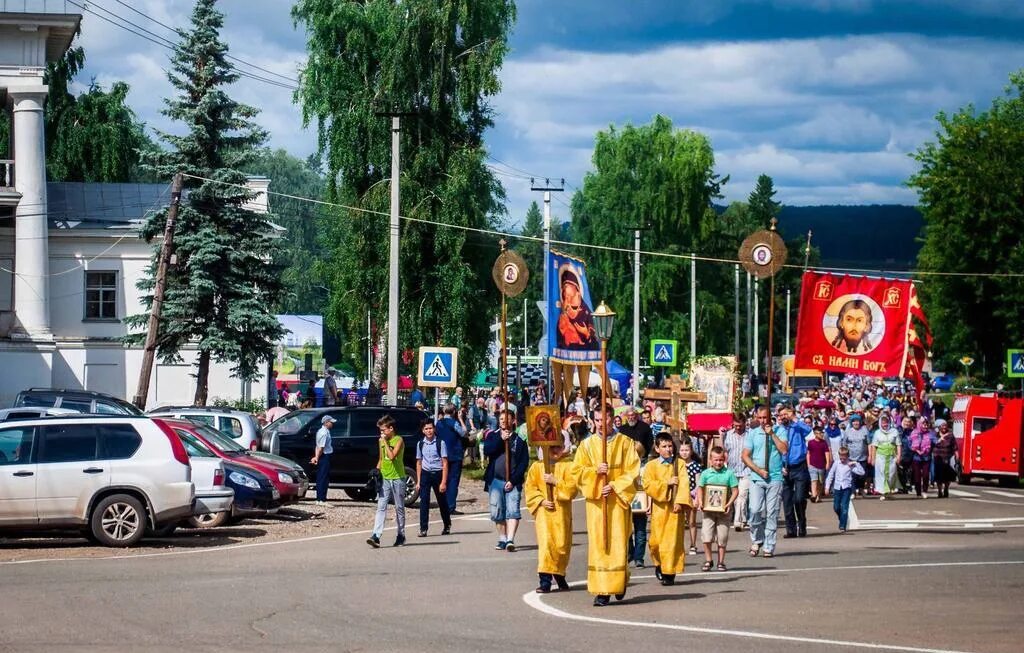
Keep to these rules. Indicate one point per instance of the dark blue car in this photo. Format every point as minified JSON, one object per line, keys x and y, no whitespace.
{"x":254,"y":493}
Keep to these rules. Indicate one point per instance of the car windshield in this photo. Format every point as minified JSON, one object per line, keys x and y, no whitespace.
{"x":289,"y":424}
{"x":219,"y":440}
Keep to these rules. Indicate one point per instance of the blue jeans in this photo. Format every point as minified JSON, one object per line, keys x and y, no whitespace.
{"x":841,"y":505}
{"x":432,"y":481}
{"x":764,"y":499}
{"x":454,"y":475}
{"x":638,"y":541}
{"x":323,"y":476}
{"x":391,"y":490}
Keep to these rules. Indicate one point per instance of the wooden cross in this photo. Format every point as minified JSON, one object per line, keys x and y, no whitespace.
{"x":678,"y":396}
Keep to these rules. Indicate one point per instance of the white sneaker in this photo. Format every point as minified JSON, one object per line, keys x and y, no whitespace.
{"x":881,"y":498}
{"x":924,"y":495}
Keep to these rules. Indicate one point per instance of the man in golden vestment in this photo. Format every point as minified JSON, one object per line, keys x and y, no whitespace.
{"x":612,"y":481}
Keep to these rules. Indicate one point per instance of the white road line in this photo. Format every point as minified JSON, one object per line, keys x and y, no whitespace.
{"x":941,"y":521}
{"x":1009,"y":495}
{"x":217,"y":549}
{"x":961,"y":493}
{"x":998,"y":503}
{"x":535,"y":601}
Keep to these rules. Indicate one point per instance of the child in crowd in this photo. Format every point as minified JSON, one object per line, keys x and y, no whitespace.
{"x":819,"y":459}
{"x":693,"y":470}
{"x":840,"y":483}
{"x":553,"y":517}
{"x":668,"y":491}
{"x":392,"y":481}
{"x":716,"y":522}
{"x":641,"y":507}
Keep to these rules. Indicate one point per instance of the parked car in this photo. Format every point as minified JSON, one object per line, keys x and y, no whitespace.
{"x":354,"y":437}
{"x":943,"y":383}
{"x":214,"y":498}
{"x":253,"y":492}
{"x":236,"y":424}
{"x":10,"y":414}
{"x":112,"y":477}
{"x":288,"y":479}
{"x":82,"y":401}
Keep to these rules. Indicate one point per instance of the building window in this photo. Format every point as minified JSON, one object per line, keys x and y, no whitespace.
{"x":100,"y":295}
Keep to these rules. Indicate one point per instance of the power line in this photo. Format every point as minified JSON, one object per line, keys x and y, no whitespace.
{"x":623,"y":250}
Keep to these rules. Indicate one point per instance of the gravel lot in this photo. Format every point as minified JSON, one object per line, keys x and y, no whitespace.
{"x":304,"y":519}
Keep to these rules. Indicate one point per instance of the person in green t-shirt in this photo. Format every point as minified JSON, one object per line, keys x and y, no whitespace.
{"x":717,"y":489}
{"x":392,"y":486}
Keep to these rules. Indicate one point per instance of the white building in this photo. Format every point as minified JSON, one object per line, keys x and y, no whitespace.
{"x":70,"y":256}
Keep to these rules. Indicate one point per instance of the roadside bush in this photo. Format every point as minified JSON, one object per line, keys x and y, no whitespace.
{"x":254,"y":406}
{"x":962,"y":383}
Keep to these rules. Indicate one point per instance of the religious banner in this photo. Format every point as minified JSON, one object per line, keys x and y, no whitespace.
{"x":571,"y":336}
{"x":715,"y":376}
{"x":543,"y":426}
{"x":853,"y":324}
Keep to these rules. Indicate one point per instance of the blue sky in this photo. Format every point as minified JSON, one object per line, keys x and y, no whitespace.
{"x":826,"y":96}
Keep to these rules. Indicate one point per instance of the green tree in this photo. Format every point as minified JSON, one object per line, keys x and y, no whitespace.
{"x":94,"y":136}
{"x":663,"y":178}
{"x":438,"y":59}
{"x":298,"y":253}
{"x":971,"y":188}
{"x":762,"y":204}
{"x":220,"y":293}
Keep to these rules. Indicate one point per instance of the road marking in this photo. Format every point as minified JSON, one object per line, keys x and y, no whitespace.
{"x":961,"y":493}
{"x":535,"y":601}
{"x":998,"y":503}
{"x":1010,"y":495}
{"x":217,"y":549}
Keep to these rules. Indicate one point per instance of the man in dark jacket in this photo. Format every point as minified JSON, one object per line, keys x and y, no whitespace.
{"x":451,"y":433}
{"x":639,"y":431}
{"x":508,"y":456}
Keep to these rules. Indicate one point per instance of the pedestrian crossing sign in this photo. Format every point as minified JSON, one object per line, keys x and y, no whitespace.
{"x":438,"y":367}
{"x":664,"y":352}
{"x":1015,"y":363}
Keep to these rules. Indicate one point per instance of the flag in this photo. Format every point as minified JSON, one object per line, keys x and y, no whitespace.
{"x":571,"y":335}
{"x":851,"y":324}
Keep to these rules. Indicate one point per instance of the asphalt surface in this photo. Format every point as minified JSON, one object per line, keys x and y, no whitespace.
{"x":940,"y":575}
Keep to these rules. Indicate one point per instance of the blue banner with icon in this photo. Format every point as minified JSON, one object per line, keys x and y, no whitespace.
{"x":571,"y":335}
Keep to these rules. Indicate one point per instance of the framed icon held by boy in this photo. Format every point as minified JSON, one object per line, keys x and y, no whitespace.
{"x":715,"y":497}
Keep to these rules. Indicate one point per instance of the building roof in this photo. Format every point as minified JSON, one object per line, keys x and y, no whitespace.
{"x":93,"y":205}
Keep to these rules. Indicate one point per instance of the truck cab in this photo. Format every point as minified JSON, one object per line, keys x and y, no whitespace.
{"x":989,"y":435}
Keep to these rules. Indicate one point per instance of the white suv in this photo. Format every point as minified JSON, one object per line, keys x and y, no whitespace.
{"x":238,"y":425}
{"x":110,"y":476}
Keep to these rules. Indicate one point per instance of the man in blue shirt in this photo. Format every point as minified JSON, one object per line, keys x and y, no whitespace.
{"x":764,"y":448}
{"x":451,"y":433}
{"x":796,"y":476}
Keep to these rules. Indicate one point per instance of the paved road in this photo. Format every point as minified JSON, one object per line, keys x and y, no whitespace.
{"x":928,"y":575}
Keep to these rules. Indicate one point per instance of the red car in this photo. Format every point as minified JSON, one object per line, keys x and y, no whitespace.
{"x":287,"y":477}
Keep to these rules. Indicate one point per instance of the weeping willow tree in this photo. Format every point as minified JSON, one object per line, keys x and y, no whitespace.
{"x":437,"y":60}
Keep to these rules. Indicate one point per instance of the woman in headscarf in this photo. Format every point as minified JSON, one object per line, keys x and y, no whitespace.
{"x":943,"y":452}
{"x":921,"y":448}
{"x":883,"y":454}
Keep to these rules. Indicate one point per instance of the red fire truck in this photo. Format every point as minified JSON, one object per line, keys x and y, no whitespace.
{"x":989,"y":430}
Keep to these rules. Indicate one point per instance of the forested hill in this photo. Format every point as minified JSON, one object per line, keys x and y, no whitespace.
{"x":875,"y":237}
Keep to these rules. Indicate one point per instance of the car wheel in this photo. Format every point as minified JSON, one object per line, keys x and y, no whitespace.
{"x":209,"y":520}
{"x":118,"y":520}
{"x":411,"y":496}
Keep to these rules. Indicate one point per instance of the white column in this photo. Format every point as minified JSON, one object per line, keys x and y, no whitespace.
{"x":31,"y":283}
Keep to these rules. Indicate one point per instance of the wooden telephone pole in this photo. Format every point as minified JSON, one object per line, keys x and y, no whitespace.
{"x":149,"y":350}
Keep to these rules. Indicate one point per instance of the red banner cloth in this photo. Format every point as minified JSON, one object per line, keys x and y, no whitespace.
{"x":853,"y":324}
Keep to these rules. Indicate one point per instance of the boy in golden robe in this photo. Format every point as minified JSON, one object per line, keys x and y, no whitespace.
{"x":668,"y":491}
{"x":553,"y":519}
{"x":607,"y":561}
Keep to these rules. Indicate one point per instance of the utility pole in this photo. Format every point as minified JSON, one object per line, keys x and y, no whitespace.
{"x":153,"y":331}
{"x":636,"y":309}
{"x":750,"y":328}
{"x":547,"y":188}
{"x":394,"y":231}
{"x":693,"y":305}
{"x":789,"y":316}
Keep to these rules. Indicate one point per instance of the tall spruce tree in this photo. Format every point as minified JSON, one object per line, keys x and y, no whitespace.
{"x":220,"y":292}
{"x":762,"y":204}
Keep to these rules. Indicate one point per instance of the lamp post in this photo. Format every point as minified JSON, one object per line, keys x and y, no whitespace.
{"x":604,"y":320}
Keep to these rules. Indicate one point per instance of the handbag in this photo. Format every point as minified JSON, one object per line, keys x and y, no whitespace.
{"x":376,"y":482}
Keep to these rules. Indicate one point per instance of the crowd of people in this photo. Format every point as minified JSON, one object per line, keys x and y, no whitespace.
{"x":654,"y":490}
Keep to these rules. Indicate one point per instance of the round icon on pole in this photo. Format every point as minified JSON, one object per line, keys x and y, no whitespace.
{"x":510,"y":273}
{"x":763,"y":253}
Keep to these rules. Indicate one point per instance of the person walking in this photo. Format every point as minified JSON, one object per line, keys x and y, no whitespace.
{"x":715,"y":526}
{"x":943,"y":454}
{"x":819,"y":460}
{"x":839,"y":483}
{"x":693,"y":468}
{"x":432,"y":475}
{"x":921,"y":447}
{"x":392,"y":475}
{"x":451,"y":432}
{"x":553,"y":517}
{"x":668,"y":491}
{"x":322,"y":458}
{"x":885,"y":450}
{"x":764,"y":449}
{"x":796,"y":477}
{"x":508,"y":457}
{"x":856,"y":439}
{"x":732,"y":442}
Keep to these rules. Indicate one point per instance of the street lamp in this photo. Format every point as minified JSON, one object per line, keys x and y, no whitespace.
{"x":604,"y":320}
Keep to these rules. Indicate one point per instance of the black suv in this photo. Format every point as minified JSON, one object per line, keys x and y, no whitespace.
{"x":355,"y":438}
{"x":84,"y":401}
